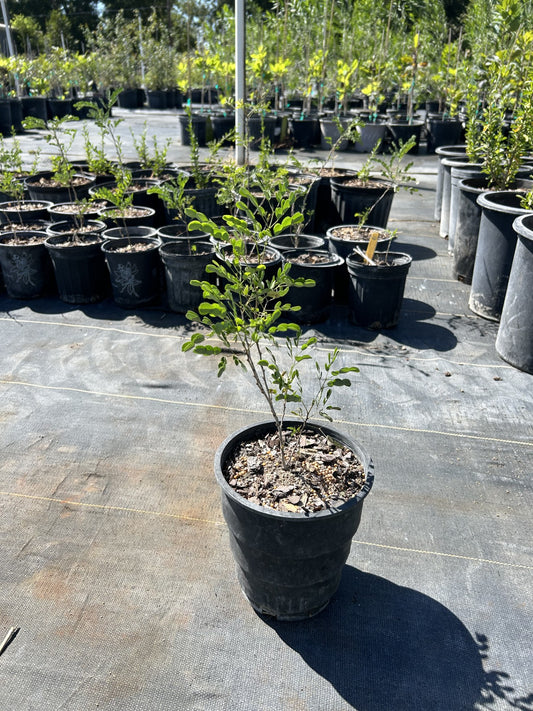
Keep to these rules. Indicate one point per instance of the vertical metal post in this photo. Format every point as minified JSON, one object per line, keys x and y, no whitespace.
{"x":10,"y":45}
{"x":240,"y":80}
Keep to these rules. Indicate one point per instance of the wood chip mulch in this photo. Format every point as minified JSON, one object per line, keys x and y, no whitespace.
{"x":321,"y":474}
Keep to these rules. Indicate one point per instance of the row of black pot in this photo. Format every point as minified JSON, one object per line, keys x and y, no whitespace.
{"x":135,"y":257}
{"x":484,"y":228}
{"x":308,"y":131}
{"x":14,"y":110}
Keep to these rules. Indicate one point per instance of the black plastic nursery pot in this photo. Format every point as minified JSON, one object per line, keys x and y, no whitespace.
{"x":197,"y":123}
{"x":402,"y":131}
{"x":5,"y":117}
{"x":294,"y":242}
{"x":289,"y":565}
{"x":16,"y":114}
{"x":472,"y":170}
{"x":26,"y":266}
{"x":467,"y":227}
{"x":495,"y":251}
{"x":222,"y":126}
{"x":315,"y":301}
{"x":129,"y":99}
{"x":444,"y":152}
{"x":80,"y":269}
{"x":259,"y":128}
{"x":376,"y":292}
{"x":134,"y":270}
{"x":303,"y":130}
{"x":369,"y":136}
{"x":442,"y":132}
{"x":157,"y":99}
{"x":184,"y":261}
{"x":203,"y":199}
{"x":39,"y":189}
{"x":458,"y":173}
{"x":24,"y":211}
{"x":351,"y":199}
{"x":330,"y":133}
{"x":178,"y":231}
{"x":35,"y":106}
{"x":467,"y":224}
{"x":326,"y":213}
{"x":59,"y":107}
{"x":343,"y":239}
{"x":514,"y":342}
{"x":129,"y":232}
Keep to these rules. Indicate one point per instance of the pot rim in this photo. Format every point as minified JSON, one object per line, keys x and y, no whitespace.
{"x":95,"y":240}
{"x":111,"y":245}
{"x":370,"y":184}
{"x":331,"y":235}
{"x":128,"y":232}
{"x":228,"y":445}
{"x":6,"y":205}
{"x":521,"y":227}
{"x":451,"y":150}
{"x":351,"y":261}
{"x":485,"y":200}
{"x":22,"y":233}
{"x":292,"y":254}
{"x":167,"y":249}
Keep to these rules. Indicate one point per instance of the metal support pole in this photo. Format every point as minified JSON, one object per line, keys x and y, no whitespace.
{"x":10,"y":45}
{"x":240,"y":80}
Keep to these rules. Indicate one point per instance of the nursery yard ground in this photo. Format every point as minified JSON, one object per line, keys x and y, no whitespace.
{"x":114,"y":557}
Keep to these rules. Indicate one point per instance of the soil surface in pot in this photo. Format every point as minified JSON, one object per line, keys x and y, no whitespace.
{"x":134,"y":247}
{"x":74,"y":208}
{"x":21,"y":240}
{"x":358,"y":183}
{"x":77,"y":181}
{"x":321,"y":473}
{"x":127,"y":212}
{"x":22,"y":227}
{"x":311,"y":258}
{"x":25,"y":206}
{"x":84,"y":229}
{"x":381,"y":259}
{"x":332,"y":173}
{"x":353,"y":233}
{"x":75,"y":239}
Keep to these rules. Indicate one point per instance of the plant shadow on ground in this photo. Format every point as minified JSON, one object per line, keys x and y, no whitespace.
{"x":418,"y":252}
{"x":384,"y":646}
{"x":154,"y":316}
{"x":414,"y":328}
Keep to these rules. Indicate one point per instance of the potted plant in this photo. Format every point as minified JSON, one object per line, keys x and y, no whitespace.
{"x":319,"y":266}
{"x":514,"y":342}
{"x":134,"y":269}
{"x":185,"y":261}
{"x":25,"y":263}
{"x":160,"y":62}
{"x":363,"y":193}
{"x":502,"y":153}
{"x":79,"y":266}
{"x":290,"y":518}
{"x":121,"y":210}
{"x":344,"y":239}
{"x":63,"y":183}
{"x":16,"y":209}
